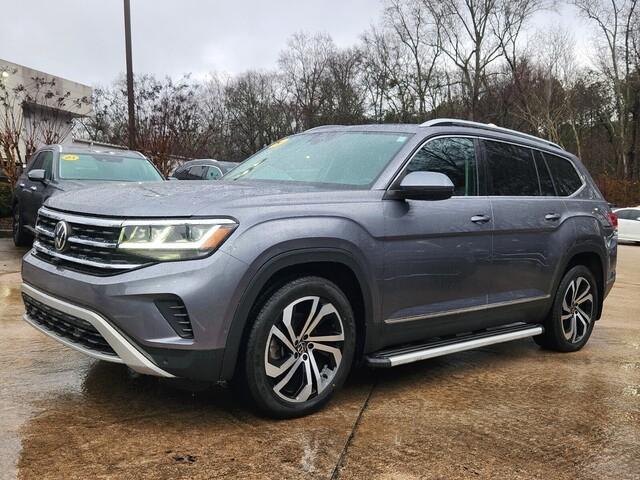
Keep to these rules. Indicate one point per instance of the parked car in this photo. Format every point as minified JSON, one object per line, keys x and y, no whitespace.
{"x":203,"y":169}
{"x":628,"y":224}
{"x":385,"y":244}
{"x":55,"y":169}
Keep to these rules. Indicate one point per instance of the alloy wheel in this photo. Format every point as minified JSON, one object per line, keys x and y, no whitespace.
{"x":577,"y":310}
{"x":304,"y":349}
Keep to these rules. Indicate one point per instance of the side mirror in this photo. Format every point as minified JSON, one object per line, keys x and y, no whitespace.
{"x":37,"y":175}
{"x":425,"y":186}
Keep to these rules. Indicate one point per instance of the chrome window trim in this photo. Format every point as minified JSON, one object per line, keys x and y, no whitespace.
{"x":480,"y":137}
{"x":458,"y":311}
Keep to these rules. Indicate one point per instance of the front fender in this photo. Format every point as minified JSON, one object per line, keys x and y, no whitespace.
{"x":271,"y":246}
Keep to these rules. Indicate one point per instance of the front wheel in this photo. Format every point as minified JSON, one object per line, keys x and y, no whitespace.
{"x":300,"y":348}
{"x":570,"y":322}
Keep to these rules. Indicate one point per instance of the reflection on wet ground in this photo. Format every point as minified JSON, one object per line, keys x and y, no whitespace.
{"x":506,"y":411}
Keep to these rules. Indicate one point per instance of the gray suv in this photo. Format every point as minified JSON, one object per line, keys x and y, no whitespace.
{"x":380,"y":244}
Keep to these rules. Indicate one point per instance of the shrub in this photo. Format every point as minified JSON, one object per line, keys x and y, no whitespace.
{"x":5,"y":200}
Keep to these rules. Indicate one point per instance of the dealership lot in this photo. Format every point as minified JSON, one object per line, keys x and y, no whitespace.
{"x":509,"y":411}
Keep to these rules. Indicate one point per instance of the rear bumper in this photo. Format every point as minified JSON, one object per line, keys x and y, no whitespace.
{"x":125,"y":351}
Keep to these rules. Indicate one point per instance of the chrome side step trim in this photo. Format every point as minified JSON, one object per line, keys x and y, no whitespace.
{"x":390,"y":359}
{"x":126,"y":352}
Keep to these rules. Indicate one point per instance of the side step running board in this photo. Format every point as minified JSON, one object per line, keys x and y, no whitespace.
{"x":415,"y":353}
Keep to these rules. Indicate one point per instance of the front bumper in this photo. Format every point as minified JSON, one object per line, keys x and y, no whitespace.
{"x":209,"y":289}
{"x":125,"y":351}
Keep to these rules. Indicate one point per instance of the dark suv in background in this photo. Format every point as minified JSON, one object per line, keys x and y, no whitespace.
{"x":386,"y":244}
{"x":55,"y":169}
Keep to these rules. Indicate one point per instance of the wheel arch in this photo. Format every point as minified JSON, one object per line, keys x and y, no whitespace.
{"x":594,"y":260}
{"x":337,"y":265}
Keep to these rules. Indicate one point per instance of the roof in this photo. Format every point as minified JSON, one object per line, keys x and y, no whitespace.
{"x":62,"y":148}
{"x":448,"y":125}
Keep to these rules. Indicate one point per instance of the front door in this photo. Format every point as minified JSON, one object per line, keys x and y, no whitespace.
{"x":39,"y":191}
{"x":437,"y":253}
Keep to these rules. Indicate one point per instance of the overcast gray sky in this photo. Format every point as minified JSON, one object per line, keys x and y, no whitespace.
{"x":83,"y":40}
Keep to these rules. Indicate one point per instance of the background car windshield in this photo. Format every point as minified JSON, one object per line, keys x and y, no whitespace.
{"x":340,"y":158}
{"x":95,"y":166}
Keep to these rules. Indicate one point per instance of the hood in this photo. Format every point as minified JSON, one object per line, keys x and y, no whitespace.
{"x":179,"y":198}
{"x":69,"y":185}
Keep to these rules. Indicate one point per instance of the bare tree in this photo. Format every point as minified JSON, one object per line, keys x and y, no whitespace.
{"x":258,"y":113}
{"x":305,"y":65}
{"x":33,"y":114}
{"x":615,"y":22}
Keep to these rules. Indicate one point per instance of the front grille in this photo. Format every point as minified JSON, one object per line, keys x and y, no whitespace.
{"x":66,"y":326}
{"x":91,"y":244}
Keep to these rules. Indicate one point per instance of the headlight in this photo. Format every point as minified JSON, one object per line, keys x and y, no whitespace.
{"x":174,"y":239}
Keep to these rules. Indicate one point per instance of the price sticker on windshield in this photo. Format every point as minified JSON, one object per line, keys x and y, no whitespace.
{"x":70,"y":158}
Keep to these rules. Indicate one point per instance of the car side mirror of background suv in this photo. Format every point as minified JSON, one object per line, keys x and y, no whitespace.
{"x":37,"y":175}
{"x":425,"y":186}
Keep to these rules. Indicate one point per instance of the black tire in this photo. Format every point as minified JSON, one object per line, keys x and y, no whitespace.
{"x":309,"y":386}
{"x":21,"y":238}
{"x":569,"y":323}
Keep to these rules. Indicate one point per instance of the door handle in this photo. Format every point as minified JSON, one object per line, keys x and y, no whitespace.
{"x":22,"y":185}
{"x":480,"y":219}
{"x":34,"y":188}
{"x":552,"y":217}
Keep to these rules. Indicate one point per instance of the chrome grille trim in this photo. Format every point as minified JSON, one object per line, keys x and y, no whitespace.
{"x":92,"y":245}
{"x":108,"y":266}
{"x":71,"y":218}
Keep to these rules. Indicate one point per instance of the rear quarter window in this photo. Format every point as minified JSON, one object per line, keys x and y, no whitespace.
{"x":565,"y":176}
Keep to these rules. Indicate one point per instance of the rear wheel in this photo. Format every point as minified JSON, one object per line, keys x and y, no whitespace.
{"x":21,"y":238}
{"x":571,"y":320}
{"x":300,"y":348}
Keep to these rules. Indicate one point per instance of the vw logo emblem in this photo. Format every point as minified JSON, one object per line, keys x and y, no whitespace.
{"x":60,"y":235}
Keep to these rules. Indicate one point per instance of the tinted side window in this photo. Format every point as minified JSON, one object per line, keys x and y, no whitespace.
{"x":196,"y":172}
{"x":564,"y":175}
{"x":546,"y":183}
{"x":455,"y":157}
{"x":36,"y":163}
{"x":511,"y":170}
{"x":47,"y":164}
{"x":213,"y":173}
{"x":629,"y":214}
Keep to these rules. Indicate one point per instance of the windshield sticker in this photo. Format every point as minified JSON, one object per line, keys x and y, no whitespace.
{"x":70,"y":158}
{"x":279,"y":143}
{"x":401,"y":139}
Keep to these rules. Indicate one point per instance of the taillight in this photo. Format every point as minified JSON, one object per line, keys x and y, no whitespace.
{"x":613,"y":219}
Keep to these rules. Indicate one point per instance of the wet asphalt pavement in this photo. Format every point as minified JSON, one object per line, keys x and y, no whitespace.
{"x":505,"y":411}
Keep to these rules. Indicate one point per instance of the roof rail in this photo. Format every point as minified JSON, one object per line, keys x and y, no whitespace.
{"x":440,"y":122}
{"x":322,"y":127}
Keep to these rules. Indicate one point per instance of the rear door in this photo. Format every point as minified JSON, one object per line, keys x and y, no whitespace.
{"x":437,"y":252}
{"x":528,"y":234}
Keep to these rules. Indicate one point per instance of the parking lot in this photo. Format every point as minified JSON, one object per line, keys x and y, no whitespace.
{"x":505,"y":411}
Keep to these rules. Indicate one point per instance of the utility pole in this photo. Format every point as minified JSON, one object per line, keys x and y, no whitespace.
{"x":130,"y":99}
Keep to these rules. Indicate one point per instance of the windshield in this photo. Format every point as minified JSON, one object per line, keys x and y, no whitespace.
{"x":352,"y":159}
{"x":106,"y":166}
